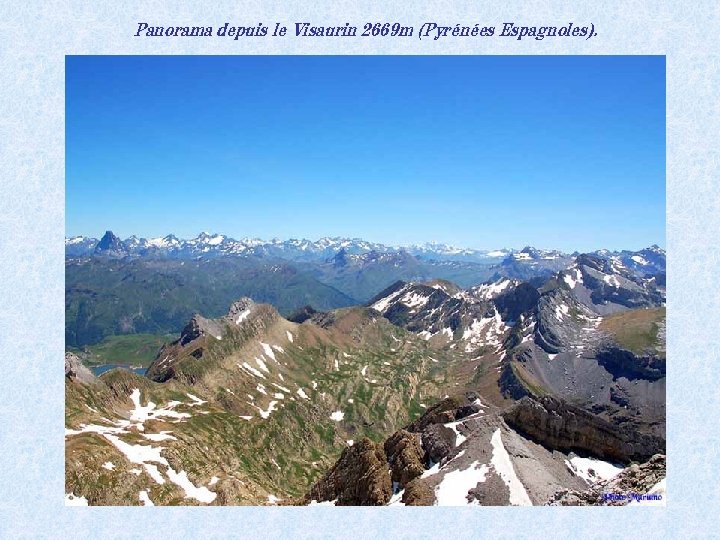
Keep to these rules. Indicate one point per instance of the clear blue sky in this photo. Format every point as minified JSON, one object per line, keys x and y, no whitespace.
{"x":484,"y":152}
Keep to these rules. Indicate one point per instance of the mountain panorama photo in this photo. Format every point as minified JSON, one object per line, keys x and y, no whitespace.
{"x":251,"y":366}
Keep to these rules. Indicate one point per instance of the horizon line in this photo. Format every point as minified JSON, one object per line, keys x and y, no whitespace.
{"x":357,"y":238}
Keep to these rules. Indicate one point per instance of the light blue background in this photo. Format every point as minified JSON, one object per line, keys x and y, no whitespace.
{"x":35,"y":38}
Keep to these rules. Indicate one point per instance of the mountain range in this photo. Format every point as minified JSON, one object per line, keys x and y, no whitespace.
{"x":116,"y":287}
{"x":216,"y":245}
{"x":363,"y":375}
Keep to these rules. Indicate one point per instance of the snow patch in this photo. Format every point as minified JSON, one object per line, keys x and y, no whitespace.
{"x":268,"y":350}
{"x":196,"y":400}
{"x":591,"y":470}
{"x":73,"y":500}
{"x":611,"y":280}
{"x":382,"y":304}
{"x":455,"y":485}
{"x":459,"y":437}
{"x":242,"y":316}
{"x":262,"y":365}
{"x":266,"y":413}
{"x":158,"y":437}
{"x":247,"y":367}
{"x":504,"y":467}
{"x":202,"y":494}
{"x":145,"y":499}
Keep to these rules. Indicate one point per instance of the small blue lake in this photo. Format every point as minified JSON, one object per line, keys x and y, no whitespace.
{"x":99,"y":370}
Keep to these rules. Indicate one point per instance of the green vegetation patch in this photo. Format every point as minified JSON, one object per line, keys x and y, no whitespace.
{"x":132,"y":349}
{"x":637,"y":330}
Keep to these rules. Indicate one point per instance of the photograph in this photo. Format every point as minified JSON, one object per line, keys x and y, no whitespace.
{"x":365,"y":280}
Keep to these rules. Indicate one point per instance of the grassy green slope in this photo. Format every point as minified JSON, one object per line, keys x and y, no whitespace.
{"x":637,"y":330}
{"x":131,"y":349}
{"x":377,"y":375}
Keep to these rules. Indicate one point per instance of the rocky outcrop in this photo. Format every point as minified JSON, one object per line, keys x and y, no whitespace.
{"x":303,"y":314}
{"x":198,"y":327}
{"x":418,"y":493}
{"x":359,"y":478}
{"x":438,"y":441}
{"x":405,"y":456}
{"x":440,"y":413}
{"x":429,"y":309}
{"x":639,"y":482}
{"x":365,"y":472}
{"x":561,"y":426}
{"x":559,"y":317}
{"x":75,"y":370}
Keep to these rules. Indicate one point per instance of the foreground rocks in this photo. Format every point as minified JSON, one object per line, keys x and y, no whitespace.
{"x":359,"y":478}
{"x":638,"y":483}
{"x":464,"y":452}
{"x":405,"y":456}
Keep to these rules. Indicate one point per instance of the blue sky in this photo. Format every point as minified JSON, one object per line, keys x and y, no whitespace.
{"x":477,"y":151}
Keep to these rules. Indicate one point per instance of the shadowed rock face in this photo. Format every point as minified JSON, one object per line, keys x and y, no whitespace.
{"x":359,"y":478}
{"x":197,"y":327}
{"x":517,"y":301}
{"x":510,"y":385}
{"x":303,"y":314}
{"x":111,"y":246}
{"x":622,"y":363}
{"x":438,"y":441}
{"x":560,"y":426}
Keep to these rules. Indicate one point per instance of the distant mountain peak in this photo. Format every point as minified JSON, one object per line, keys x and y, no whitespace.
{"x":111,"y":245}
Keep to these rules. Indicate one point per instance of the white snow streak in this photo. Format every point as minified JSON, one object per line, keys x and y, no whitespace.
{"x":504,"y":467}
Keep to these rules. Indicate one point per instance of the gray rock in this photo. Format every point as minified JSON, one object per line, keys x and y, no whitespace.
{"x":76,"y":371}
{"x":561,"y":426}
{"x":638,"y":479}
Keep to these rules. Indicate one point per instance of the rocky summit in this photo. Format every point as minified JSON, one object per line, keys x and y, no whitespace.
{"x":538,"y":380}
